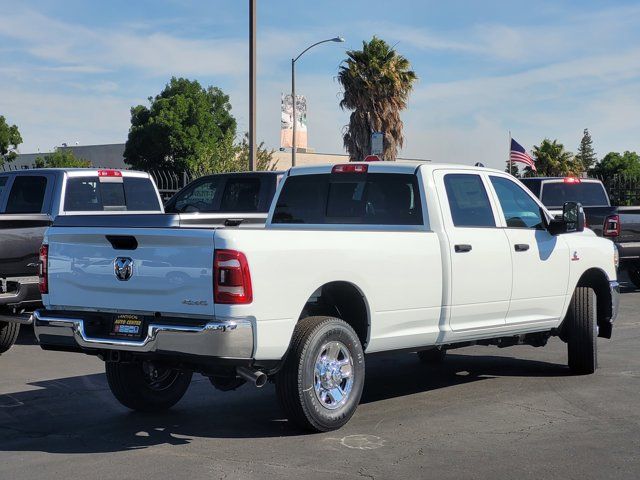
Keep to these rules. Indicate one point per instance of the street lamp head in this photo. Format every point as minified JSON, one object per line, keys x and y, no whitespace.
{"x":338,"y":39}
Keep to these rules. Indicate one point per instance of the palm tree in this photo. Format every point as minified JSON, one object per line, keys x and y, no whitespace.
{"x":376,"y":82}
{"x":552,"y":160}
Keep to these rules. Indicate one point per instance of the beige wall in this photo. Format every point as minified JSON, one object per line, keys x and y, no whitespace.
{"x":284,"y":159}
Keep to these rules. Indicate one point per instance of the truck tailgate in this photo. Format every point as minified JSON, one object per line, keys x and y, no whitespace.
{"x":171,"y":269}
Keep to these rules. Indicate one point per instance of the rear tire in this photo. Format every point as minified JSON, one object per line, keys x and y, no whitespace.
{"x":634,"y":275}
{"x":432,"y":356}
{"x":320,"y":384}
{"x":8,"y":335}
{"x":582,"y":332}
{"x":134,"y":387}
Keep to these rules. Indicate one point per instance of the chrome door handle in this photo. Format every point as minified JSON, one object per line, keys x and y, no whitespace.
{"x":521,"y":247}
{"x":462,"y":248}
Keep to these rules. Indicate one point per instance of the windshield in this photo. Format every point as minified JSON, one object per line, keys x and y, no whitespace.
{"x":589,"y":194}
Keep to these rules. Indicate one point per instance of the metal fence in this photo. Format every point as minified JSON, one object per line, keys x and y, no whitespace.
{"x":170,"y":182}
{"x":623,"y":190}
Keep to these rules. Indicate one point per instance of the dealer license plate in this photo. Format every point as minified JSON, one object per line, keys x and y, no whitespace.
{"x":127,"y":325}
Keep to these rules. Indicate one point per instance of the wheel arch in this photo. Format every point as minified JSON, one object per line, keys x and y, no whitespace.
{"x":344,"y":300}
{"x":598,"y":280}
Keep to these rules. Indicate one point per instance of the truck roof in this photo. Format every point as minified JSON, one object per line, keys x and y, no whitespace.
{"x":399,"y":166}
{"x":542,"y":179}
{"x":75,"y":172}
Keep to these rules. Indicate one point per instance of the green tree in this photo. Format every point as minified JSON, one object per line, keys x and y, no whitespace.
{"x":180,"y":123}
{"x":61,"y":158}
{"x":586,"y":154}
{"x":553,"y":160}
{"x":376,"y":82}
{"x":625,"y":164}
{"x":227,"y":156}
{"x":9,"y":140}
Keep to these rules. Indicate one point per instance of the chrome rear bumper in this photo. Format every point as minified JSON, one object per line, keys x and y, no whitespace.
{"x":221,"y":339}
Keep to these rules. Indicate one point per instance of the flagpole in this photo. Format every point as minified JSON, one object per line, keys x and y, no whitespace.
{"x":509,"y":164}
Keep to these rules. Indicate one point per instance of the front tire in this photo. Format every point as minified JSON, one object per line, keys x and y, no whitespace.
{"x":8,"y":335}
{"x":320,"y":384}
{"x":143,"y":387}
{"x":582,"y":332}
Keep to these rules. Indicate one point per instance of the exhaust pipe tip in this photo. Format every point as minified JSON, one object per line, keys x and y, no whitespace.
{"x":258,"y":378}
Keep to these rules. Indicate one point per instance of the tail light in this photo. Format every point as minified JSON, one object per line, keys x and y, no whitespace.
{"x":350,"y":168}
{"x":231,"y":278}
{"x":611,"y":226}
{"x":43,"y":271}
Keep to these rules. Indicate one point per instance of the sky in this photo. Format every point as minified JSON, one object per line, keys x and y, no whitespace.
{"x":71,"y":70}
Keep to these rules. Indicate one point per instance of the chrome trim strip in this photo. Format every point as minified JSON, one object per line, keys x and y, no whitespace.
{"x":216,"y":338}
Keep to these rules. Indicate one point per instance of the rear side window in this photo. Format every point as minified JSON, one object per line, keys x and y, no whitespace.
{"x":241,"y":195}
{"x":468,"y":201}
{"x":88,"y":194}
{"x":371,"y":199}
{"x":197,"y":198}
{"x":27,"y":194}
{"x":589,"y":194}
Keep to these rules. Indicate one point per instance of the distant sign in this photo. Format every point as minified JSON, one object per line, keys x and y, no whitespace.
{"x":377,"y":143}
{"x":286,"y":121}
{"x":372,"y":158}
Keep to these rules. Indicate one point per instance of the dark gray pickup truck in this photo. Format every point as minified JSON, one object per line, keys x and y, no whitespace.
{"x":29,"y":202}
{"x":239,"y":199}
{"x":620,"y":224}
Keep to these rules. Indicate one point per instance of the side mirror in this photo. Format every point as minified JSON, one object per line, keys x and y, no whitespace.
{"x":573,"y":216}
{"x":571,"y":220}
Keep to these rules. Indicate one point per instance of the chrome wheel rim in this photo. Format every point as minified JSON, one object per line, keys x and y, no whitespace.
{"x":333,"y":375}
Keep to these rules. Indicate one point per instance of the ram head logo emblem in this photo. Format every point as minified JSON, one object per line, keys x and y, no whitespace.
{"x":123,"y":268}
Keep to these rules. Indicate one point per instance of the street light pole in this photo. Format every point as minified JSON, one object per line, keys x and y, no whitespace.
{"x":293,"y":92}
{"x":252,"y":84}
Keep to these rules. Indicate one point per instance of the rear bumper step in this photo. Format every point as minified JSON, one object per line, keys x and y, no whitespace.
{"x":220,"y":339}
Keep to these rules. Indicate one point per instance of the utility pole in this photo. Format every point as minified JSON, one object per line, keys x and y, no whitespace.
{"x":293,"y":99}
{"x":252,"y":84}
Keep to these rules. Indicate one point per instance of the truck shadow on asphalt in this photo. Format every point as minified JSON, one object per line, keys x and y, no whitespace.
{"x":79,"y":414}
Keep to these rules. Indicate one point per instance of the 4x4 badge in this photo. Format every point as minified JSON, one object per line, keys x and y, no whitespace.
{"x":123,"y":268}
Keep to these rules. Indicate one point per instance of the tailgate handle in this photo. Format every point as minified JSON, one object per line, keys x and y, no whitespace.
{"x":122,"y":242}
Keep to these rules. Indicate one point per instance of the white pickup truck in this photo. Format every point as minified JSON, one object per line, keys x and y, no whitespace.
{"x":354,"y":259}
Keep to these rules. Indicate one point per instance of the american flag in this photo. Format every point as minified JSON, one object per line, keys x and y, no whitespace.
{"x":519,"y":154}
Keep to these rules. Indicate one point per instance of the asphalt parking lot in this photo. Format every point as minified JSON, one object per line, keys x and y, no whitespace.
{"x":485,"y":413}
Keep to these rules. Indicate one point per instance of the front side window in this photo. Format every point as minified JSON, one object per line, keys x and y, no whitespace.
{"x":468,"y":200}
{"x":198,"y":198}
{"x":27,"y":194}
{"x":519,"y":209}
{"x":370,"y":199}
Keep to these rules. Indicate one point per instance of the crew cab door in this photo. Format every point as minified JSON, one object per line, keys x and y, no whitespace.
{"x":540,"y":260}
{"x":480,"y":262}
